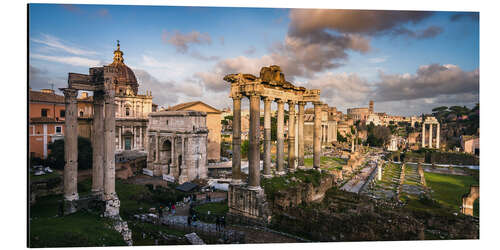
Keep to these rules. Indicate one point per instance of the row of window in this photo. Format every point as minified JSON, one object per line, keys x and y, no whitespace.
{"x":62,"y":113}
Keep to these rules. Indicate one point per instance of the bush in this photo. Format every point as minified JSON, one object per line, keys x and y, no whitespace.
{"x":56,"y":156}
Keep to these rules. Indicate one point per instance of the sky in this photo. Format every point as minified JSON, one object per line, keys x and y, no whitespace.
{"x":408,"y":62}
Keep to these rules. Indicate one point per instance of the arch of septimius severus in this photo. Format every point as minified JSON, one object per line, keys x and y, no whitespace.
{"x":246,"y":200}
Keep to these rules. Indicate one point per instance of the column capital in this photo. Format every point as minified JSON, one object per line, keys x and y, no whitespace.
{"x":292,"y":102}
{"x":280,"y":101}
{"x":267,"y":99}
{"x":69,"y":92}
{"x":236,"y":96}
{"x":302,"y":103}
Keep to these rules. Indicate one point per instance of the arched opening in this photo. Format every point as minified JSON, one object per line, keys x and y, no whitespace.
{"x":81,"y":113}
{"x":179,"y":164}
{"x":127,"y":111}
{"x":166,"y":152}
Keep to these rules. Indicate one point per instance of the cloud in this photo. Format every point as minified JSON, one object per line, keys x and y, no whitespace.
{"x":71,"y":60}
{"x":429,"y":32}
{"x":182,"y":41}
{"x":429,"y":81}
{"x":250,"y":51}
{"x":377,"y":59}
{"x":200,"y":56}
{"x":55,"y":43}
{"x":167,"y":93}
{"x":367,"y":22}
{"x":473,"y":16}
{"x":39,"y":79}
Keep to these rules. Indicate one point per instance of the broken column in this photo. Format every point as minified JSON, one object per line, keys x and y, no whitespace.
{"x":236,"y":170}
{"x":70,"y":150}
{"x":280,"y":153}
{"x":430,"y":135}
{"x":97,"y":145}
{"x":112,"y":202}
{"x":291,"y":136}
{"x":267,"y":137}
{"x":254,"y":136}
{"x":317,"y":135}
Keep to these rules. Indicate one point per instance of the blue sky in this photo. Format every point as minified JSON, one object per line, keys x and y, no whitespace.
{"x":407,"y":62}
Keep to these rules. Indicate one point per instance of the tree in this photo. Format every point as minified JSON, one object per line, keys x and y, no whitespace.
{"x":244,"y":148}
{"x":56,"y":155}
{"x":341,"y":138}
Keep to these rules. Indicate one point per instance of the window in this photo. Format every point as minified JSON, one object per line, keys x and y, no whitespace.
{"x":167,"y":122}
{"x":62,"y":113}
{"x":81,"y":113}
{"x":58,"y":129}
{"x":127,"y":111}
{"x":44,"y":112}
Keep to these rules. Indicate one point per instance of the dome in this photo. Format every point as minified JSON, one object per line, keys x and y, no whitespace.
{"x":125,"y":75}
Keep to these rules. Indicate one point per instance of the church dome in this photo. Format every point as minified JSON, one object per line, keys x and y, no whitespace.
{"x":125,"y":75}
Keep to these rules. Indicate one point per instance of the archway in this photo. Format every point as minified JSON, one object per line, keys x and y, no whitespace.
{"x":468,"y":201}
{"x":166,"y":152}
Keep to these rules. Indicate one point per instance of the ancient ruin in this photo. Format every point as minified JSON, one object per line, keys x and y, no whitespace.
{"x":468,"y":200}
{"x":431,"y":121}
{"x":177,"y":145}
{"x":248,"y":199}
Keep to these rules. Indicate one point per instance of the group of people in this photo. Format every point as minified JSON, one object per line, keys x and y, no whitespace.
{"x":220,"y":223}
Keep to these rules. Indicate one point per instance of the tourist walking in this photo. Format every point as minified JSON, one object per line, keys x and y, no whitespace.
{"x":173,"y":209}
{"x":189,"y":220}
{"x":217,"y":223}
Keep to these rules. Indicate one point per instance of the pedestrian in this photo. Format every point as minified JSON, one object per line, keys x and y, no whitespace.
{"x":189,"y":220}
{"x":173,"y":209}
{"x":223,"y":222}
{"x":217,"y":223}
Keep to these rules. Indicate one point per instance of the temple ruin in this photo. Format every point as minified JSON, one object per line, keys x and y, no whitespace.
{"x":247,"y":199}
{"x":430,"y":121}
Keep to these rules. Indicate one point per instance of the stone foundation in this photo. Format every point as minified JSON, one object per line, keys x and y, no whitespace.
{"x":247,"y":206}
{"x":112,"y":207}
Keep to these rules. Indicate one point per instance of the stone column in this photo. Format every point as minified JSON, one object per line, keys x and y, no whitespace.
{"x":291,"y":135}
{"x":112,"y":203}
{"x":253,"y":151}
{"x":423,"y":135}
{"x":267,"y":137}
{"x":438,"y":130}
{"x":236,"y":169}
{"x":157,"y":147}
{"x":140,"y":139}
{"x":97,"y":144}
{"x":120,"y":129}
{"x":317,"y":135}
{"x":71,"y":146}
{"x":280,"y":153}
{"x":301,"y":133}
{"x":430,"y":135}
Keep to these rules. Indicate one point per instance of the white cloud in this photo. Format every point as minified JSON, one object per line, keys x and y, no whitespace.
{"x":72,"y":60}
{"x":53,"y":42}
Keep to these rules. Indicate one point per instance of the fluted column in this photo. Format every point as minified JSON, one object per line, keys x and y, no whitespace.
{"x":317,"y":135}
{"x":97,"y":144}
{"x":280,"y":153}
{"x":438,"y":131}
{"x":71,"y":145}
{"x":109,"y":145}
{"x":430,"y":135}
{"x":267,"y":137}
{"x":291,"y":135}
{"x":254,"y":152}
{"x":236,"y":169}
{"x":157,"y":147}
{"x":301,"y":133}
{"x":423,"y":135}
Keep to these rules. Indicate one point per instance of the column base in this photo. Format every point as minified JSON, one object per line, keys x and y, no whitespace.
{"x":281,"y":173}
{"x":71,"y":197}
{"x":98,"y":194}
{"x":267,"y":176}
{"x":112,"y":206}
{"x":254,"y":188}
{"x":237,"y":182}
{"x":70,"y":206}
{"x":247,"y":206}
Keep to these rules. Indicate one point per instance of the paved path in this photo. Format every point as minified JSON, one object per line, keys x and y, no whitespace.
{"x":357,"y":182}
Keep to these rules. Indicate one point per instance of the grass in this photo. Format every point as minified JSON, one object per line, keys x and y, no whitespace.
{"x":45,"y":176}
{"x":81,"y":229}
{"x":326,"y":161}
{"x":216,"y":209}
{"x":449,"y":189}
{"x":277,"y":183}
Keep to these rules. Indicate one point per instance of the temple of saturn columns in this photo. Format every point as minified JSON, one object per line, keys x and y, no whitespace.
{"x":100,"y":80}
{"x":246,"y":200}
{"x":431,"y":121}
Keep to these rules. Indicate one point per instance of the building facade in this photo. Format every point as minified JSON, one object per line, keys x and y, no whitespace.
{"x":177,"y":144}
{"x":213,"y":124}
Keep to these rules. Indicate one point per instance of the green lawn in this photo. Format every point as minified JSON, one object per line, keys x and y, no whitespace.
{"x":449,"y":189}
{"x":45,"y":176}
{"x":326,"y":161}
{"x":78,"y":229}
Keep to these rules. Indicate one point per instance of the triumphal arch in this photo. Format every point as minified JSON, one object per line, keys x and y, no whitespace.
{"x":247,"y":199}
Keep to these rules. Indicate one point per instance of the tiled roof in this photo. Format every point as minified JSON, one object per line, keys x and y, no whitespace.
{"x":185,"y":105}
{"x":36,"y":96}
